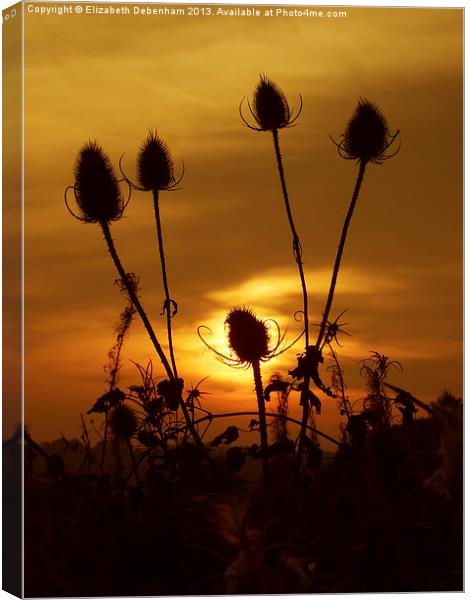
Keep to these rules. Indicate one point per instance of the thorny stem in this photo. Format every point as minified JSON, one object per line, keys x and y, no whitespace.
{"x":138,"y":306}
{"x":167,"y":307}
{"x":339,"y":253}
{"x":263,"y":430}
{"x":298,"y":259}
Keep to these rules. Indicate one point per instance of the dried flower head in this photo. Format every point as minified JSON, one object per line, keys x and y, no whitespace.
{"x":247,"y":335}
{"x":270,"y":108}
{"x":96,"y":188}
{"x":249,"y":339}
{"x":367,"y":137}
{"x":154,"y":164}
{"x":123,"y":422}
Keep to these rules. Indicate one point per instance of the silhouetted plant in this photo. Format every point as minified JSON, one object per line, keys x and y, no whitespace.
{"x":249,"y":340}
{"x":271,"y":112}
{"x":366,"y":139}
{"x":282,"y":388}
{"x":376,"y":369}
{"x":155,"y":173}
{"x":114,"y":365}
{"x":103,"y":204}
{"x":159,"y":425}
{"x":270,"y":109}
{"x":96,"y":187}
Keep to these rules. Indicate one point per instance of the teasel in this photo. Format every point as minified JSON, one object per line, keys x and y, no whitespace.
{"x":104,"y":205}
{"x":367,"y":139}
{"x":272,"y":112}
{"x":155,"y":173}
{"x":270,"y":108}
{"x":251,"y":345}
{"x":96,"y":187}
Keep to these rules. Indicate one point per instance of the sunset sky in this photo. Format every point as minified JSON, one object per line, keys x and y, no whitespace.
{"x":111,"y":78}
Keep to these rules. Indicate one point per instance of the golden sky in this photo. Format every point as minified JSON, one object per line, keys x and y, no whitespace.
{"x":110,"y":78}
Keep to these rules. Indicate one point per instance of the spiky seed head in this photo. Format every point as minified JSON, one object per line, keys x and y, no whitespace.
{"x":270,"y":106}
{"x":154,"y":164}
{"x":96,"y":186}
{"x":367,"y":135}
{"x":247,"y":335}
{"x":123,"y":422}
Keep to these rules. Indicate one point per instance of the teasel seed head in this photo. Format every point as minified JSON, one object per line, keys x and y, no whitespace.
{"x":247,"y":335}
{"x":270,"y":105}
{"x":270,"y":108}
{"x":96,"y":187}
{"x":123,"y":422}
{"x":367,"y":136}
{"x":155,"y":165}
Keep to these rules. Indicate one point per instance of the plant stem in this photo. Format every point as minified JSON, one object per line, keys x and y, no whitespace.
{"x":298,"y":259}
{"x":339,"y":253}
{"x":263,"y":430}
{"x":268,"y":414}
{"x":295,"y":237}
{"x":134,"y":298}
{"x":167,"y":306}
{"x":326,"y":313}
{"x":139,"y":308}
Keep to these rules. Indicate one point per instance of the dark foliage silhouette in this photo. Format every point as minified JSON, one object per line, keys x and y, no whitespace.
{"x":100,"y":170}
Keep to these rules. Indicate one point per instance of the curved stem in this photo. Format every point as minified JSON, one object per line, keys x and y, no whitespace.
{"x":138,"y":306}
{"x":295,"y":237}
{"x":329,"y":301}
{"x":167,"y":305}
{"x":298,"y":259}
{"x":268,"y":414}
{"x":339,"y":253}
{"x":263,"y":430}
